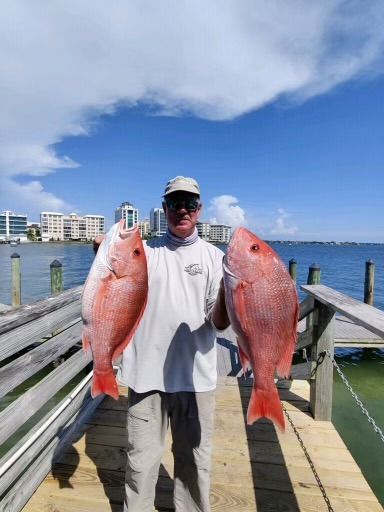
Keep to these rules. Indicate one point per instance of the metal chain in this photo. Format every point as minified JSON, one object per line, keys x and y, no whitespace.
{"x":321,"y":487}
{"x":359,"y":403}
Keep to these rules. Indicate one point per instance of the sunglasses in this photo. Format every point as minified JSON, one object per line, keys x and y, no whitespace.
{"x":178,"y":204}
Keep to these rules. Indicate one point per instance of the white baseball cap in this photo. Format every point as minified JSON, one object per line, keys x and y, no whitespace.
{"x":181,"y":183}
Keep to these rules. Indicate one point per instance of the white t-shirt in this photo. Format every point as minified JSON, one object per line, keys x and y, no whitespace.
{"x":174,"y":346}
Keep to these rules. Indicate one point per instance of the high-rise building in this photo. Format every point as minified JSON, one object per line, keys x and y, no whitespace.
{"x":56,"y":226}
{"x":219,"y":233}
{"x":158,"y":222}
{"x":203,"y":230}
{"x":144,"y":228}
{"x":13,"y":225}
{"x":127,"y":212}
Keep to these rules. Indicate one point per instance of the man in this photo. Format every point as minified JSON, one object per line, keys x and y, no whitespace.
{"x":170,"y":364}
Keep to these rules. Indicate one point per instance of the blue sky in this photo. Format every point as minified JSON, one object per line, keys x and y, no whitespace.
{"x":281,"y":123}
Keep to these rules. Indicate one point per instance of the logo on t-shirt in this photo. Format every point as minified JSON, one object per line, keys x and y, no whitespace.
{"x":193,"y":269}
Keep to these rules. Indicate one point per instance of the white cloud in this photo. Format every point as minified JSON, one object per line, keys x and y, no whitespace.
{"x":225,"y":212}
{"x":280,"y":227}
{"x":64,"y":63}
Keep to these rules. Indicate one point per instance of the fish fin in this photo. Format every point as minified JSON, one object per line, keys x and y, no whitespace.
{"x":243,"y":358}
{"x":265,"y":403}
{"x":105,"y":383}
{"x":239,"y":304}
{"x":85,"y":344}
{"x":285,"y":362}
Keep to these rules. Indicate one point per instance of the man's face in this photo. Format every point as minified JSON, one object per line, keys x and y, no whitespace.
{"x":180,"y":213}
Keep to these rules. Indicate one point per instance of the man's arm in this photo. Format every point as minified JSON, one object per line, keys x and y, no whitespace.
{"x":219,"y":315}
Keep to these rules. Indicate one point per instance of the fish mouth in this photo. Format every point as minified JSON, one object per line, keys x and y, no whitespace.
{"x":127,"y":232}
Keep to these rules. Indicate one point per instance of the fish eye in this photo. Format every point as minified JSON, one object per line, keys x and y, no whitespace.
{"x":255,"y":247}
{"x":137,"y":252}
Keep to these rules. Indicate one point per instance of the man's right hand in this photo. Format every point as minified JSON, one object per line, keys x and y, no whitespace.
{"x":96,"y":242}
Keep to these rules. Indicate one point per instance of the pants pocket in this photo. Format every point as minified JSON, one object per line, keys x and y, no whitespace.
{"x":139,"y":433}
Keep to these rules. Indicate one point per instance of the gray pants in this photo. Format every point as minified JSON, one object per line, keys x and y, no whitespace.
{"x":191,"y":417}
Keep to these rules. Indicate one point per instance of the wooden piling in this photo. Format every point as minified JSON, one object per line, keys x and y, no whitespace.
{"x":16,"y":280}
{"x":56,"y":276}
{"x":293,"y":269}
{"x":313,"y":278}
{"x":369,"y":282}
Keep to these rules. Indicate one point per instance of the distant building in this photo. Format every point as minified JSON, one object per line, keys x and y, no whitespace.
{"x":59,"y":227}
{"x":13,"y":225}
{"x":127,"y":212}
{"x":158,"y":222}
{"x":219,"y":233}
{"x":144,"y":228}
{"x":203,"y":230}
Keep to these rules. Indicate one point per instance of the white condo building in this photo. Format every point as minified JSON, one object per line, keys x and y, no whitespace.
{"x":203,"y":230}
{"x":158,"y":222}
{"x":144,"y":228}
{"x":59,"y":227}
{"x":127,"y":212}
{"x":219,"y":233}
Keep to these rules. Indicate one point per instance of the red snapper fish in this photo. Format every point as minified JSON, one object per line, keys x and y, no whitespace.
{"x":113,"y":301}
{"x":262,"y":306}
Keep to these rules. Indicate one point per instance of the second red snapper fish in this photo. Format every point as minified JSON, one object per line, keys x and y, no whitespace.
{"x":113,"y":302}
{"x":262,"y":306}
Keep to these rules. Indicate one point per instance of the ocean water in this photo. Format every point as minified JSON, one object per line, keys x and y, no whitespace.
{"x":342,"y":268}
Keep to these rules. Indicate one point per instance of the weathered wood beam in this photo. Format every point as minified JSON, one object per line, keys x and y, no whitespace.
{"x":20,"y":369}
{"x":20,"y":493}
{"x":306,"y":307}
{"x":321,"y":383}
{"x":304,"y":339}
{"x":30,"y":402}
{"x":24,"y":314}
{"x":78,"y":402}
{"x":21,"y":337}
{"x":361,"y":314}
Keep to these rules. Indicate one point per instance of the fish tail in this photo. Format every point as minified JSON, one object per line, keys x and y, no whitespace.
{"x":265,"y":403}
{"x":105,"y":383}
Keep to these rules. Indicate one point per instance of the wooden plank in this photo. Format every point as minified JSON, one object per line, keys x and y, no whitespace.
{"x":253,"y":467}
{"x":19,"y":411}
{"x":20,"y":369}
{"x":20,"y":337}
{"x":18,"y":495}
{"x":362,"y":314}
{"x":306,"y":307}
{"x":56,"y":426}
{"x":321,"y":383}
{"x":25,"y":314}
{"x":304,"y":339}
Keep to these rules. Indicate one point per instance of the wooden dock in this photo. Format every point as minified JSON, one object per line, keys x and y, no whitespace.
{"x":254,"y":468}
{"x":73,"y":458}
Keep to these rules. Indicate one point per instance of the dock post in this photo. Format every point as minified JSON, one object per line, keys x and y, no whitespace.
{"x":313,"y":278}
{"x":56,"y":276}
{"x":16,"y":280}
{"x":293,"y":269}
{"x":369,"y":282}
{"x":321,"y":383}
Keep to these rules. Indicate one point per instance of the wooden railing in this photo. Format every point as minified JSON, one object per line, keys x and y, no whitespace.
{"x":323,"y":303}
{"x":32,"y":337}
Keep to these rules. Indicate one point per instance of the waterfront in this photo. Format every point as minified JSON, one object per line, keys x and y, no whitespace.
{"x":342,"y":267}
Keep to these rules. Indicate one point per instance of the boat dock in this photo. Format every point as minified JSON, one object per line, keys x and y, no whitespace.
{"x":73,"y":458}
{"x":254,"y":468}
